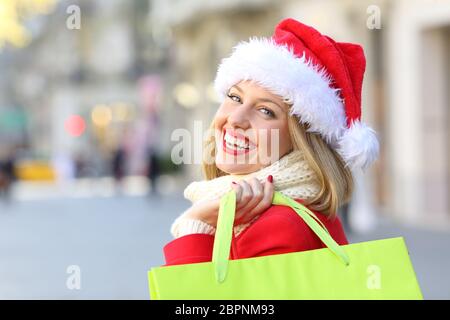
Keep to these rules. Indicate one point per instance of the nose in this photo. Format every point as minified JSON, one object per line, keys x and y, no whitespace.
{"x":240,"y":117}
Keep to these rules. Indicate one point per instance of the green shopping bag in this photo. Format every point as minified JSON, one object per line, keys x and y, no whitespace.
{"x":378,"y":269}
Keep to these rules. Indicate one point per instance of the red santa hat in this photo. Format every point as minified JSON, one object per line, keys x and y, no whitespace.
{"x":321,"y":78}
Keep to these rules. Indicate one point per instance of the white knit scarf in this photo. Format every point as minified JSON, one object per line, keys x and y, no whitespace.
{"x":292,"y":176}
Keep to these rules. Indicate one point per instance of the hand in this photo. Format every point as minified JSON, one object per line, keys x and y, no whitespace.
{"x":206,"y":211}
{"x":252,"y":198}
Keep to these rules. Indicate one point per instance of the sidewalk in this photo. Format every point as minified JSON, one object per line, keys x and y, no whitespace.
{"x":104,"y":187}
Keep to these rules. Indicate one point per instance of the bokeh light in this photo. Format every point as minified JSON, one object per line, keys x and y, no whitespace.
{"x":101,"y":115}
{"x":75,"y":125}
{"x":12,"y":14}
{"x":120,"y":112}
{"x":212,"y":94}
{"x":186,"y":95}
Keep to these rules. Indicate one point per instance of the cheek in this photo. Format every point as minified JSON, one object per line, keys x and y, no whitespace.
{"x":220,"y":118}
{"x":278,"y":137}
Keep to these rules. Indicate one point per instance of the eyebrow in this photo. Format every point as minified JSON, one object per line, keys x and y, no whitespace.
{"x":259,"y":99}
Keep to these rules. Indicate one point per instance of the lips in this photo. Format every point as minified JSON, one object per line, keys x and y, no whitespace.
{"x":240,"y":139}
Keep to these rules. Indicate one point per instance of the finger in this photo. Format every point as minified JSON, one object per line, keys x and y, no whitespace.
{"x":266,"y":202}
{"x":263,"y":204}
{"x":246,"y":195}
{"x":258,"y":194}
{"x":244,"y":214}
{"x":245,"y":198}
{"x":238,"y":189}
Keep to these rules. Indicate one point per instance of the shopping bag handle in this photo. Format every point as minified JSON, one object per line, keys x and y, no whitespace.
{"x":224,"y":230}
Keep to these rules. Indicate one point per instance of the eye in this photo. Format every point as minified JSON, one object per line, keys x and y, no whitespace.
{"x":234,"y":97}
{"x":268,"y":112}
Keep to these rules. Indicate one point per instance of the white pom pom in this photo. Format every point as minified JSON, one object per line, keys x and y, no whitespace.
{"x":359,"y":146}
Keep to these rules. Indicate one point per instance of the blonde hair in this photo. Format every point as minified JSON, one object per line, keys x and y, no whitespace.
{"x":336,"y":180}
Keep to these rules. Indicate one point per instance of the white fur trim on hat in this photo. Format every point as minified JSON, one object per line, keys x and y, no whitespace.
{"x":359,"y":145}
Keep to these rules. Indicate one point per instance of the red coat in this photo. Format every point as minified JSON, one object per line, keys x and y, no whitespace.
{"x":278,"y":230}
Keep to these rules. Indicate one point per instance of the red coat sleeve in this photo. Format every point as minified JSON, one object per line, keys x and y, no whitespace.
{"x":191,"y":248}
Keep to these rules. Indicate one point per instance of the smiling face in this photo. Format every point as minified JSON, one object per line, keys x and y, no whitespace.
{"x":251,"y":129}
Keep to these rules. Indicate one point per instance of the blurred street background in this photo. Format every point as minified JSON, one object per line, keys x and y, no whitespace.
{"x":92,"y":91}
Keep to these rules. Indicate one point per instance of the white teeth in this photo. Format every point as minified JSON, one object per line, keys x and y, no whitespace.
{"x":231,"y":142}
{"x":230,"y":146}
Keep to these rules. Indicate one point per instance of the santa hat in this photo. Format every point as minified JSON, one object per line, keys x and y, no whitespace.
{"x":321,"y":78}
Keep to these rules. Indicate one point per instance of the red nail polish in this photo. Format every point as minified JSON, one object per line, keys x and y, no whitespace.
{"x":270,"y":178}
{"x":233,"y":182}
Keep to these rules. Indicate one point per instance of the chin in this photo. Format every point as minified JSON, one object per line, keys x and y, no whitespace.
{"x":237,"y":169}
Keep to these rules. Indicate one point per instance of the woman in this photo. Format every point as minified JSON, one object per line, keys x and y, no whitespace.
{"x":290,"y":121}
